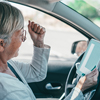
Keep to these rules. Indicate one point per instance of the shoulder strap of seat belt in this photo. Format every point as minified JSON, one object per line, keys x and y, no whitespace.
{"x":13,"y":70}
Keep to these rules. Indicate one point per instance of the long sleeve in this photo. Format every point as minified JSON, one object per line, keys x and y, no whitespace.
{"x":75,"y":94}
{"x":37,"y":69}
{"x":18,"y":95}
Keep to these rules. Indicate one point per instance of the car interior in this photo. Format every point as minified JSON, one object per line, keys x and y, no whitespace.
{"x":68,"y":33}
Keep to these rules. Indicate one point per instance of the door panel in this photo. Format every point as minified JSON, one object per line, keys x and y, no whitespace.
{"x":54,"y":84}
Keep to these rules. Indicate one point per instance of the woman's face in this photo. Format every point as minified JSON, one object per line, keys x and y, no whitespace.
{"x":16,"y":40}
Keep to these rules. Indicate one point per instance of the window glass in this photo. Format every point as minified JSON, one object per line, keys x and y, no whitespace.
{"x":59,"y":35}
{"x":88,"y":8}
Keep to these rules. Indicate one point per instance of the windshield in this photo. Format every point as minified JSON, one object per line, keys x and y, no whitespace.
{"x":94,"y":3}
{"x":88,"y":8}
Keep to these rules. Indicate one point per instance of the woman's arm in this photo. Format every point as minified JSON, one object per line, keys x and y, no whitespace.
{"x":37,"y":69}
{"x":83,"y":84}
{"x":75,"y":94}
{"x":88,"y":81}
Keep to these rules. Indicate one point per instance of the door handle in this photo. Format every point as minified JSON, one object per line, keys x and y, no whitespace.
{"x":50,"y":87}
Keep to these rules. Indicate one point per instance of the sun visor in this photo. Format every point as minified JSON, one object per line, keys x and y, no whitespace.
{"x":41,"y":4}
{"x":94,"y":3}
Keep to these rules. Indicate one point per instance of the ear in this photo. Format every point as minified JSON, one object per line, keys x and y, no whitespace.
{"x":2,"y":45}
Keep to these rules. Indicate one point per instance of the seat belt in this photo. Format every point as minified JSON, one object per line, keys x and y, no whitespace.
{"x":13,"y":70}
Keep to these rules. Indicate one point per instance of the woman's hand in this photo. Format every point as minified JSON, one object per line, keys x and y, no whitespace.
{"x":37,"y":34}
{"x":88,"y":81}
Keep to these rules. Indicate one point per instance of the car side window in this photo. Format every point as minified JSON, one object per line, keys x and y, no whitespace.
{"x":59,"y":35}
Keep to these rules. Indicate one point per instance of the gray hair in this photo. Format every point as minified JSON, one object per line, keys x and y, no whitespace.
{"x":11,"y":20}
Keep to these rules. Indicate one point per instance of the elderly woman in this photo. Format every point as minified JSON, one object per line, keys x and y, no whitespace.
{"x":12,"y":34}
{"x":14,"y":75}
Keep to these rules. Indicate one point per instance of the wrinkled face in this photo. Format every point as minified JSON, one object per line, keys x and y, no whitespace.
{"x":16,"y":40}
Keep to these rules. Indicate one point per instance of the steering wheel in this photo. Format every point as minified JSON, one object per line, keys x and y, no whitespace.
{"x":92,"y":93}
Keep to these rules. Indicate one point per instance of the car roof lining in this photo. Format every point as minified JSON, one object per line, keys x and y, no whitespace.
{"x":41,"y":4}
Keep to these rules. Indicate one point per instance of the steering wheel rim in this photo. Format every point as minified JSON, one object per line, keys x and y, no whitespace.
{"x":72,"y":74}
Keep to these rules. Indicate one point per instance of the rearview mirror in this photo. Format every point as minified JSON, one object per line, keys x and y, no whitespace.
{"x":78,"y":47}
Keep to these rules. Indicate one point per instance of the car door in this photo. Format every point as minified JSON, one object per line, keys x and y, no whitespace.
{"x":60,"y":37}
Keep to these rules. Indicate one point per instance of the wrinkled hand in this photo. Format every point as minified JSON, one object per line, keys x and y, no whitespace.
{"x":37,"y":34}
{"x":88,"y":81}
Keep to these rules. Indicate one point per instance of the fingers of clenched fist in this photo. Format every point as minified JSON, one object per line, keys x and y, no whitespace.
{"x":37,"y":34}
{"x":37,"y":28}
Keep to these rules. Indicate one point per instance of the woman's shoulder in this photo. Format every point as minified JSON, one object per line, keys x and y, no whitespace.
{"x":9,"y":84}
{"x":7,"y":81}
{"x":11,"y":61}
{"x":15,"y":64}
